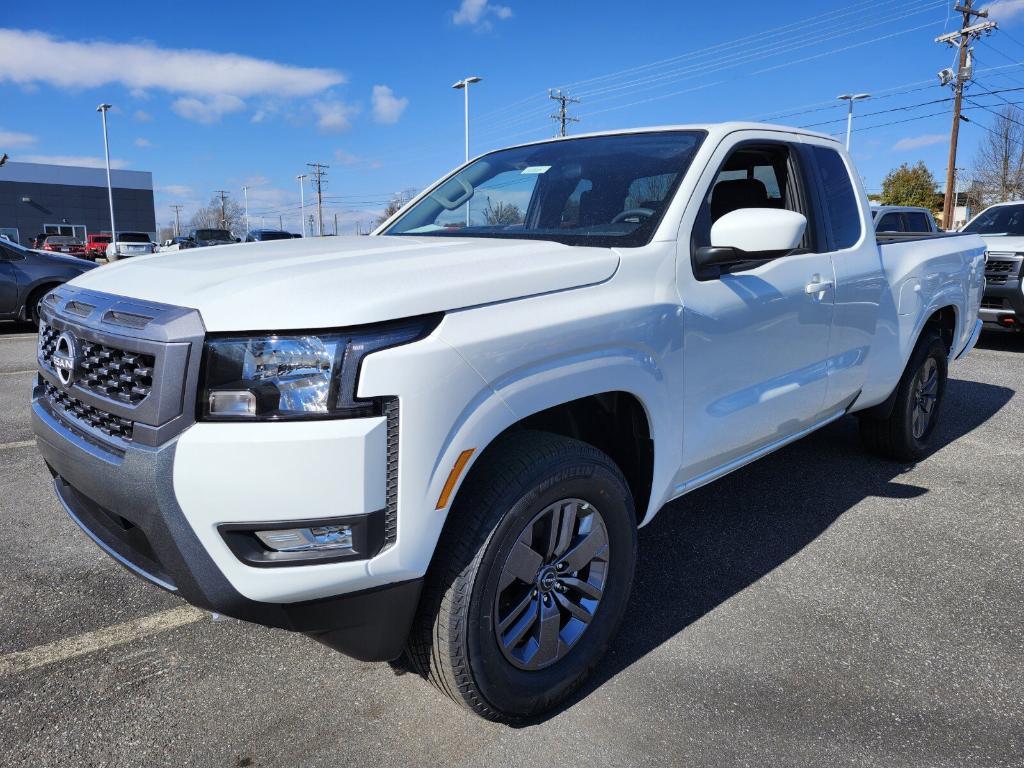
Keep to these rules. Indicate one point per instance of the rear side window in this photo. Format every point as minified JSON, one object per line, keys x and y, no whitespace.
{"x":839,"y":199}
{"x":889,"y":223}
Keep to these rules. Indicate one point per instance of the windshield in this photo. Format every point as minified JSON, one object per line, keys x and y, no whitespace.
{"x":99,"y":238}
{"x":61,"y":240}
{"x":213,"y":234}
{"x":273,"y":236}
{"x":602,"y":190}
{"x":133,"y":237}
{"x":999,"y":220}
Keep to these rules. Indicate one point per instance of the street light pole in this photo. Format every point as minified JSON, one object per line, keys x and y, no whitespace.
{"x":463,"y":85}
{"x":245,"y":194}
{"x":849,"y":98}
{"x":302,"y":203}
{"x":102,"y":109}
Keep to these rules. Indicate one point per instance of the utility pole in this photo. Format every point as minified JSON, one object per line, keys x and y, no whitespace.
{"x":223,"y":207}
{"x":564,"y":100}
{"x":964,"y":72}
{"x":177,"y":220}
{"x":280,"y":222}
{"x":319,"y":171}
{"x":335,"y":223}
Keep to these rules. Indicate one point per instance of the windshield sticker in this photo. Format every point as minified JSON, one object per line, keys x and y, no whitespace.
{"x":536,"y":169}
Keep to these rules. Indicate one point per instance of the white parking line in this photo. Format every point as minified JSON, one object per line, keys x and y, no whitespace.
{"x":18,"y":373}
{"x":19,"y":337}
{"x":89,"y":642}
{"x":19,"y":444}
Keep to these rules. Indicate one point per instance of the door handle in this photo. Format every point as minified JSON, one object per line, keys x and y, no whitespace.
{"x":817,"y":285}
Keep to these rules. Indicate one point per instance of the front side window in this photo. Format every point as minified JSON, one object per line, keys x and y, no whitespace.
{"x":839,"y":199}
{"x":998,"y":220}
{"x":754,"y":176}
{"x":601,"y":190}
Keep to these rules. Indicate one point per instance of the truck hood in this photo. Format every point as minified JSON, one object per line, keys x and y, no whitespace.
{"x":1004,"y":243}
{"x":339,"y":281}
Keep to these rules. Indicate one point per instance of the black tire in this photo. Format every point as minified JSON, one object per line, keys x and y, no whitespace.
{"x":898,"y":437}
{"x":454,"y":642}
{"x":33,"y":302}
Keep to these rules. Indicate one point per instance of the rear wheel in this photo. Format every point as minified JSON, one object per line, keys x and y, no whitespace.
{"x":531,"y":583}
{"x":905,"y":435}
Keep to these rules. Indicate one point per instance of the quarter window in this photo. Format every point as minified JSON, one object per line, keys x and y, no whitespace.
{"x":839,"y":199}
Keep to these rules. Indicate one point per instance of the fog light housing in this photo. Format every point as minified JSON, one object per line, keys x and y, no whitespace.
{"x":314,"y":539}
{"x":306,"y":542}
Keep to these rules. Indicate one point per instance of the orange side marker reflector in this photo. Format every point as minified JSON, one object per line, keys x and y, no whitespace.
{"x":453,"y":478}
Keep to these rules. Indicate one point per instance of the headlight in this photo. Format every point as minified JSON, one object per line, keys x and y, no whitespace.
{"x":296,"y":375}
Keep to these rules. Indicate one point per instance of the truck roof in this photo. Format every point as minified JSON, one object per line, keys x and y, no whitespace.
{"x":714,"y":129}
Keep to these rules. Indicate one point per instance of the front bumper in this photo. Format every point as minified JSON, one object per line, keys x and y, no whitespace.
{"x":128,"y":505}
{"x":1003,"y":305}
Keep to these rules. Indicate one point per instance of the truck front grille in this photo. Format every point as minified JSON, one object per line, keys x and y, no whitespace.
{"x":74,"y":409}
{"x":999,"y":270}
{"x":114,"y":373}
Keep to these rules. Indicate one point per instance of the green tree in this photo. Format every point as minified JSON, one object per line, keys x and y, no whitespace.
{"x":910,"y":185}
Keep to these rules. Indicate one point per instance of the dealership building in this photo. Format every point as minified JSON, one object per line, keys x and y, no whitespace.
{"x":37,"y":198}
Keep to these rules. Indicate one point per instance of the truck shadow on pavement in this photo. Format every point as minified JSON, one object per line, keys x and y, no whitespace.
{"x":718,"y":540}
{"x":14,"y":328}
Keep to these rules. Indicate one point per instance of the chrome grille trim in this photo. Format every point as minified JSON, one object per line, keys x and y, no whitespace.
{"x":131,"y":383}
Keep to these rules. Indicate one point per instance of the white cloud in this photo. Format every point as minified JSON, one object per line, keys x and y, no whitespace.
{"x":175,"y":190}
{"x":346,"y":158}
{"x":334,"y":116}
{"x":36,"y":57}
{"x":206,"y":110}
{"x":476,"y":13}
{"x":86,"y":160}
{"x":387,"y":108}
{"x":916,"y":142}
{"x":141,"y":142}
{"x":9,"y":139}
{"x":1004,"y":10}
{"x":142,"y":116}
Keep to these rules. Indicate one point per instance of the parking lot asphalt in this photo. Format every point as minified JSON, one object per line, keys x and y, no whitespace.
{"x":819,"y":607}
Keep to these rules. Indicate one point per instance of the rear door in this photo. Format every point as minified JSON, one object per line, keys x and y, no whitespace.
{"x":861,"y":285}
{"x":755,"y":341}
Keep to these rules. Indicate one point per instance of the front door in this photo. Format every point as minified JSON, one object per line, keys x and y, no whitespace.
{"x":8,"y":284}
{"x":755,"y":341}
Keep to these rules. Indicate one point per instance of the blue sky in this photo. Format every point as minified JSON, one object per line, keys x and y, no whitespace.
{"x":220,"y":95}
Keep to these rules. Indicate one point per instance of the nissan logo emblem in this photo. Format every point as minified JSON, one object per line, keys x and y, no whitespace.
{"x":65,"y":358}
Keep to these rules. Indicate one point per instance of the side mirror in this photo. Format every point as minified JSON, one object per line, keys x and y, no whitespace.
{"x":751,"y":234}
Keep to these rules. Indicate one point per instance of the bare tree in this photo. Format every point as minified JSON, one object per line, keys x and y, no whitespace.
{"x":998,"y":173}
{"x":502,"y":214}
{"x":209,"y":217}
{"x":394,"y":205}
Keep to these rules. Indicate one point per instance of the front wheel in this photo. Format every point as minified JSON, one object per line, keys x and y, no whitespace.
{"x":907,"y":432}
{"x":532,"y":579}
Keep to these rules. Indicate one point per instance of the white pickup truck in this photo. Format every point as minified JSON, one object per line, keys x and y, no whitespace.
{"x":441,"y":439}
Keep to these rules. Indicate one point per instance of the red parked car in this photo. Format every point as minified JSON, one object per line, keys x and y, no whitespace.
{"x":64,"y":244}
{"x":96,"y":245}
